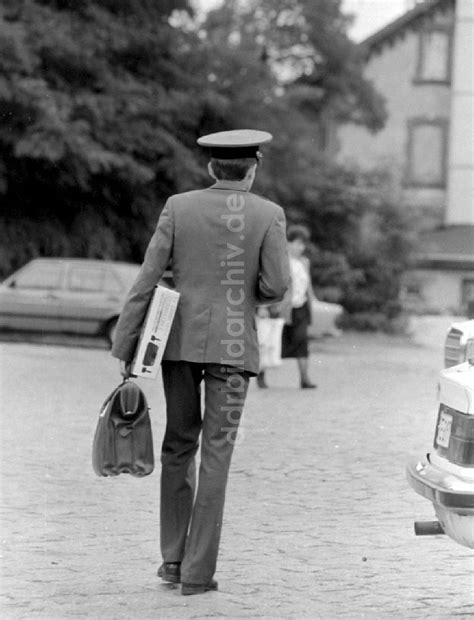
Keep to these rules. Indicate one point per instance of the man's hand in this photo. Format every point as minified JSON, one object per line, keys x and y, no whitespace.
{"x":262,"y":312}
{"x":125,"y":368}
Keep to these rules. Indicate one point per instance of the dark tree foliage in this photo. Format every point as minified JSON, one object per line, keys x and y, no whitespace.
{"x":97,"y":115}
{"x":304,"y":47}
{"x":101,"y":103}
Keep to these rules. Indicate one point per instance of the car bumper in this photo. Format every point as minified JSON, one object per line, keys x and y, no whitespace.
{"x":452,"y":497}
{"x":442,"y":488}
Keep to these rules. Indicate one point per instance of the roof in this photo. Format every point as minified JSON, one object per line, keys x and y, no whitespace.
{"x":409,"y":20}
{"x":447,"y":247}
{"x":81,"y":261}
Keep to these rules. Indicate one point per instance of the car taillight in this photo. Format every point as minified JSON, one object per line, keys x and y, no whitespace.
{"x":453,"y":353}
{"x":454,"y":436}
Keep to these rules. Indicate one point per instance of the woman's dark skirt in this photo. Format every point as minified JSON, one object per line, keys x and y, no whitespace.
{"x":295,"y":336}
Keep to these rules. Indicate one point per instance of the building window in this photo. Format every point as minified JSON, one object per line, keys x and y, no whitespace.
{"x":411,"y":293}
{"x":427,"y":150}
{"x":413,"y":289}
{"x":434,"y":56}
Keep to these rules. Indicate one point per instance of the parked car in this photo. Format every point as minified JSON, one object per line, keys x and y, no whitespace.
{"x":445,"y":476}
{"x":324,"y":319}
{"x":69,"y":295}
{"x":459,"y":343}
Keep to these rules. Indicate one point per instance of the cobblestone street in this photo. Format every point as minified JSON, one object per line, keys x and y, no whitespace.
{"x":319,"y":516}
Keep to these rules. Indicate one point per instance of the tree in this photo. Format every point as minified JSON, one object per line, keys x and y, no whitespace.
{"x":101,"y":103}
{"x":96,"y":110}
{"x":304,"y":45}
{"x":294,"y":72}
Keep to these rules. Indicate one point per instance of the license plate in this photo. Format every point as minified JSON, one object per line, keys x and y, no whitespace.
{"x":444,"y":429}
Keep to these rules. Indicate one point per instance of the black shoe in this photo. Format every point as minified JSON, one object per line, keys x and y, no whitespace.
{"x":198,"y":588}
{"x":308,"y":385}
{"x":261,"y":380}
{"x":170,"y":571}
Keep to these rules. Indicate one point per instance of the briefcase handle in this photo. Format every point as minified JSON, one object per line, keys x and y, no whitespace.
{"x":109,"y":398}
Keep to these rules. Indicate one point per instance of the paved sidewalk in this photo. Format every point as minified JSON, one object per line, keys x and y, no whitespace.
{"x":319,"y":517}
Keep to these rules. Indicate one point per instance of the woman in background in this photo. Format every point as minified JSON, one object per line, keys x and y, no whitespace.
{"x":296,"y":307}
{"x":295,"y":332}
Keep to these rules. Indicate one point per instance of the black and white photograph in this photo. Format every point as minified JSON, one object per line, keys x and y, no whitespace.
{"x":236,"y":309}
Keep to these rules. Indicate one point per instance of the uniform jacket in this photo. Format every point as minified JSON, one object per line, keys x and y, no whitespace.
{"x":227,"y":249}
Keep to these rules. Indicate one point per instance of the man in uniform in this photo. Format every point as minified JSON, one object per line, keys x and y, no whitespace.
{"x":228,"y":252}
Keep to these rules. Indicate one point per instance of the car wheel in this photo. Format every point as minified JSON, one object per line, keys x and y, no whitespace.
{"x":111,"y":330}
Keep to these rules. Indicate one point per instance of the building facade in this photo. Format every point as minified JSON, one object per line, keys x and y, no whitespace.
{"x":422,"y":63}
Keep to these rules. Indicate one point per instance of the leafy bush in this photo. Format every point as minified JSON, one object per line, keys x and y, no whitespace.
{"x":362,"y":244}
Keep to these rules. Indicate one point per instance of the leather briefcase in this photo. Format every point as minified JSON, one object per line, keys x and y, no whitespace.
{"x":123,"y":441}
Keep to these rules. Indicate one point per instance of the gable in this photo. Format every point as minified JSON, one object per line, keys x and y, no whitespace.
{"x":430,"y":13}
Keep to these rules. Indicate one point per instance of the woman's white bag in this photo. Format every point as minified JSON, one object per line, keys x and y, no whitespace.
{"x":269,"y":333}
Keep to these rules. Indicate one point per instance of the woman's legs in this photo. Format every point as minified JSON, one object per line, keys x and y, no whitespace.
{"x":305,"y":381}
{"x":261,"y":380}
{"x":303,"y":363}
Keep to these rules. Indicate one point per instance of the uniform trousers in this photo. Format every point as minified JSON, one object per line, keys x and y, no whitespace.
{"x":191,"y":521}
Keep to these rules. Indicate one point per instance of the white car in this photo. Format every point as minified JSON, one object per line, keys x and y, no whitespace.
{"x":445,"y":476}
